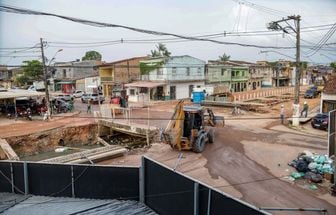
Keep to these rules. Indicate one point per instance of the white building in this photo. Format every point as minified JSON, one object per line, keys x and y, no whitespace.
{"x":166,"y":78}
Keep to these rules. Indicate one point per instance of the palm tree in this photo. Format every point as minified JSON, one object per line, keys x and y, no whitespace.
{"x":224,"y":57}
{"x":160,"y":51}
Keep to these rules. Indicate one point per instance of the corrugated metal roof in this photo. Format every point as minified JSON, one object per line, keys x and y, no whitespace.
{"x":146,"y":84}
{"x":9,"y":94}
{"x":40,"y":205}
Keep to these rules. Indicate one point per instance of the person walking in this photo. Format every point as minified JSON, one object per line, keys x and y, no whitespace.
{"x":282,"y":114}
{"x":88,"y":107}
{"x":305,"y":109}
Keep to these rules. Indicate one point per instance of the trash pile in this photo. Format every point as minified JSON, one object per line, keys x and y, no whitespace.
{"x":313,"y":167}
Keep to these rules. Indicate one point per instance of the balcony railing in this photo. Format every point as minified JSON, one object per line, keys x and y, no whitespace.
{"x":106,"y":79}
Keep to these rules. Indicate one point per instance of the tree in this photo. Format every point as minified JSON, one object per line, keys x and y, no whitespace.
{"x":32,"y":71}
{"x":333,"y":65}
{"x":92,"y":55}
{"x":224,"y":57}
{"x":160,"y":51}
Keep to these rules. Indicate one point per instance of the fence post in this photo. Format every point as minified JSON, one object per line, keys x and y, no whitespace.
{"x":25,"y":178}
{"x":142,"y":181}
{"x":72,"y":182}
{"x":209,"y":202}
{"x":12,"y":177}
{"x":196,"y":198}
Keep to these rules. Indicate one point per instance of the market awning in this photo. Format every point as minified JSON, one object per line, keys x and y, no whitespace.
{"x":146,"y":84}
{"x":9,"y":94}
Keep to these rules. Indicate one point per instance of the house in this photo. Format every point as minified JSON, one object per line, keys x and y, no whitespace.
{"x":65,"y":74}
{"x":115,"y":74}
{"x":232,"y":74}
{"x":328,"y":96}
{"x":260,"y":74}
{"x":166,"y":78}
{"x":283,"y":74}
{"x":5,"y":77}
{"x":88,"y":84}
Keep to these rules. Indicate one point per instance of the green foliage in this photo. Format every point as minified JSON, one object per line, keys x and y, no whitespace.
{"x":32,"y":71}
{"x":160,"y":51}
{"x":333,"y":65}
{"x":21,"y":80}
{"x":145,"y":68}
{"x":224,"y":57}
{"x":92,"y":55}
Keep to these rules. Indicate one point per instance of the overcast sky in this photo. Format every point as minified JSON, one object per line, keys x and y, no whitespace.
{"x":188,"y":17}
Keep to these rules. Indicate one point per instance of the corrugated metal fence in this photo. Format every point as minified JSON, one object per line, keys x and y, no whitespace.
{"x":159,"y":187}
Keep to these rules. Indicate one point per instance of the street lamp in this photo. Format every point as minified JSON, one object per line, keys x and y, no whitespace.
{"x":46,"y":82}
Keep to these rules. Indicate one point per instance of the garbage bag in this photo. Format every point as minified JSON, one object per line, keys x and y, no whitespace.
{"x":326,"y":168}
{"x":321,"y":159}
{"x":302,"y":166}
{"x":313,"y":177}
{"x":297,"y":175}
{"x":308,"y":159}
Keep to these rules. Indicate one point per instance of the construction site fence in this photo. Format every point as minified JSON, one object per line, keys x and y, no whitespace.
{"x":161,"y":188}
{"x":261,"y":93}
{"x":66,"y":180}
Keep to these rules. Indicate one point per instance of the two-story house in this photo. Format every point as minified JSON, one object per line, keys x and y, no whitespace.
{"x":65,"y":74}
{"x":231,"y":74}
{"x":115,"y":74}
{"x":260,"y":75}
{"x":283,"y":74}
{"x":168,"y":78}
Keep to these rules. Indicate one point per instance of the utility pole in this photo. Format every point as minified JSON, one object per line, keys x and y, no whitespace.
{"x":276,"y":26}
{"x":45,"y":80}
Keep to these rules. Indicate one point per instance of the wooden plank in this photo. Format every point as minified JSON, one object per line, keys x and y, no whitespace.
{"x":7,"y":149}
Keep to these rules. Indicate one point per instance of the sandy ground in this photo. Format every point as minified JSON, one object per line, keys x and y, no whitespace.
{"x":249,"y":159}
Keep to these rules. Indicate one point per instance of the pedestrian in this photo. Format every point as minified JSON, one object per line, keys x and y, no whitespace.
{"x":161,"y":134}
{"x":88,"y":107}
{"x":305,"y":109}
{"x":71,"y":104}
{"x":282,"y":114}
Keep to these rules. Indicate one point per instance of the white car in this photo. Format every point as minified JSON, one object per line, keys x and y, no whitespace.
{"x":78,"y":94}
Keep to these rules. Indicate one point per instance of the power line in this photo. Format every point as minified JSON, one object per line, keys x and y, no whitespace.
{"x":145,"y":31}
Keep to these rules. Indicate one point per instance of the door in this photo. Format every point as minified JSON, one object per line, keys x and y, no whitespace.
{"x":172,"y":92}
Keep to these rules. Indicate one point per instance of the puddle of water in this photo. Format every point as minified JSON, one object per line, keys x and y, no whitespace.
{"x":53,"y":154}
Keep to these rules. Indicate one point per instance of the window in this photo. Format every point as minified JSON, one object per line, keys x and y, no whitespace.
{"x":188,"y":71}
{"x":174,"y":71}
{"x":132,"y":92}
{"x":64,"y":73}
{"x":233,"y":73}
{"x":223,"y":72}
{"x":199,"y":71}
{"x":159,"y":71}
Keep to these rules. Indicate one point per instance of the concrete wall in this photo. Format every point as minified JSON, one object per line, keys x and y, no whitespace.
{"x":243,"y":96}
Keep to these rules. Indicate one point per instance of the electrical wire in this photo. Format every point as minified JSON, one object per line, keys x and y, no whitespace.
{"x":145,"y":31}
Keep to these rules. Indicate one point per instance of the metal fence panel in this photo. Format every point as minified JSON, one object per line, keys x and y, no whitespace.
{"x":221,"y":204}
{"x":18,"y":177}
{"x":167,"y":192}
{"x":106,"y":182}
{"x":5,"y":177}
{"x":49,"y":179}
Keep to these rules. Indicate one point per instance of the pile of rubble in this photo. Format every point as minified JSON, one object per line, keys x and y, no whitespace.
{"x":313,"y":167}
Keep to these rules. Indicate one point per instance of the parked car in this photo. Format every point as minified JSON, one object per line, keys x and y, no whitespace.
{"x":60,"y":106}
{"x":64,"y":97}
{"x":93,"y":98}
{"x":320,"y":121}
{"x":78,"y":94}
{"x":311,"y":93}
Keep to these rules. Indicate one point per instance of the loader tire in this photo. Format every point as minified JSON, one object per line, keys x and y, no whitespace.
{"x":211,"y":135}
{"x":199,"y":144}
